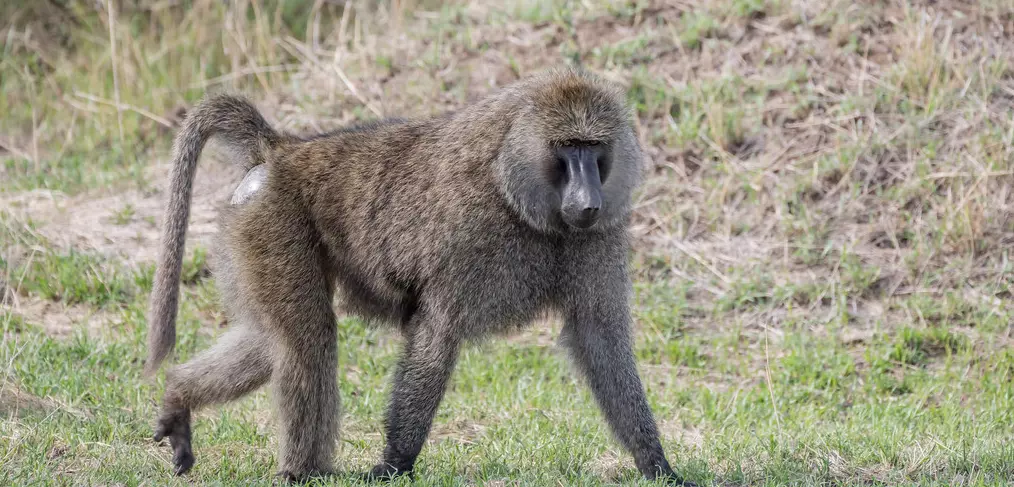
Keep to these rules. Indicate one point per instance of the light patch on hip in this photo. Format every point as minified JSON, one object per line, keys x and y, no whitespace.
{"x":250,"y":185}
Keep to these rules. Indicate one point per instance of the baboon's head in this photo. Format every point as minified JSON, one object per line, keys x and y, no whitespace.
{"x":571,"y":158}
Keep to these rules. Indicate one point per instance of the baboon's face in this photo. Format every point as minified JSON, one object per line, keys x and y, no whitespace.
{"x":571,"y":160}
{"x":579,"y":169}
{"x":585,"y":150}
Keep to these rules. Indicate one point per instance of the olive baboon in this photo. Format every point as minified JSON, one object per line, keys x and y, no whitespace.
{"x":452,"y":227}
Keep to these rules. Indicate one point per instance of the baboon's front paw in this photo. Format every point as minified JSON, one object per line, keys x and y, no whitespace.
{"x":183,"y":460}
{"x":385,"y":472}
{"x":675,"y":480}
{"x":660,"y":471}
{"x":175,"y":425}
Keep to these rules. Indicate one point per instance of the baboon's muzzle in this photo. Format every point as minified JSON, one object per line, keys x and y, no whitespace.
{"x":582,"y":190}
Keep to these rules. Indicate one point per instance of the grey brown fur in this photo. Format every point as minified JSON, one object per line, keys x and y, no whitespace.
{"x":453,"y":228}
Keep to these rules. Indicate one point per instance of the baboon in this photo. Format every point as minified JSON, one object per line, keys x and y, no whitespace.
{"x":452,"y":227}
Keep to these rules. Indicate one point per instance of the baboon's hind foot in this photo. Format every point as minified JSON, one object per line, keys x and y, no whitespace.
{"x":175,"y":425}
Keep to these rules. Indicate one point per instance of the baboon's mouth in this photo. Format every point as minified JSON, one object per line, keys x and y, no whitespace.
{"x":581,"y":223}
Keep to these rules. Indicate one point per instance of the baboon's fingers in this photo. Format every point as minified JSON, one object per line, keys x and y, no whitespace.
{"x":674,"y":479}
{"x":384,"y":472}
{"x":183,"y":458}
{"x":667,"y":476}
{"x":677,"y":480}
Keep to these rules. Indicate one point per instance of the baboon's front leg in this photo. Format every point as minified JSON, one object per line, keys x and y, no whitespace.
{"x":598,"y":336}
{"x":419,"y":383}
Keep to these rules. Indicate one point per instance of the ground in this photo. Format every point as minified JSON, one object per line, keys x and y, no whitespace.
{"x":823,"y":270}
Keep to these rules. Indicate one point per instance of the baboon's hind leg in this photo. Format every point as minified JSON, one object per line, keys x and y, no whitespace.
{"x":237,"y":364}
{"x":284,"y":271}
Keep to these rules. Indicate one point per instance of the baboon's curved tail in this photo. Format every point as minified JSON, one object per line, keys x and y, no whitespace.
{"x":249,"y":138}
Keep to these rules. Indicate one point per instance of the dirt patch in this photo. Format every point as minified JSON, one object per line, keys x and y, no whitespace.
{"x":59,"y":320}
{"x":125,"y":225}
{"x":13,"y":401}
{"x":676,"y":430}
{"x":541,"y":333}
{"x":611,"y":465}
{"x":459,"y":430}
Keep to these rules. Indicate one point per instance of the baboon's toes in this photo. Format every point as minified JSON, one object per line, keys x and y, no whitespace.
{"x":175,"y":425}
{"x":162,"y":431}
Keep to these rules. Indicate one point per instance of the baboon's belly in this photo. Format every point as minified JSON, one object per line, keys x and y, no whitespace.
{"x":484,"y":292}
{"x":372,"y":294}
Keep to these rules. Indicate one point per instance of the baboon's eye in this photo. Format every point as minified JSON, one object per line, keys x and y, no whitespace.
{"x":579,"y":143}
{"x":559,"y":172}
{"x":604,"y":167}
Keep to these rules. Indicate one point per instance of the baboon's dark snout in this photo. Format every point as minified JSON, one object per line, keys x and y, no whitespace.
{"x":582,"y":192}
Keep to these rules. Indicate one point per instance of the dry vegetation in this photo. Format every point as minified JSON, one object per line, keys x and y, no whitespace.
{"x":823,"y":262}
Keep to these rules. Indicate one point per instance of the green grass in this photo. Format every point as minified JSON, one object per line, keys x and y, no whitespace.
{"x":823,"y":268}
{"x":814,"y":411}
